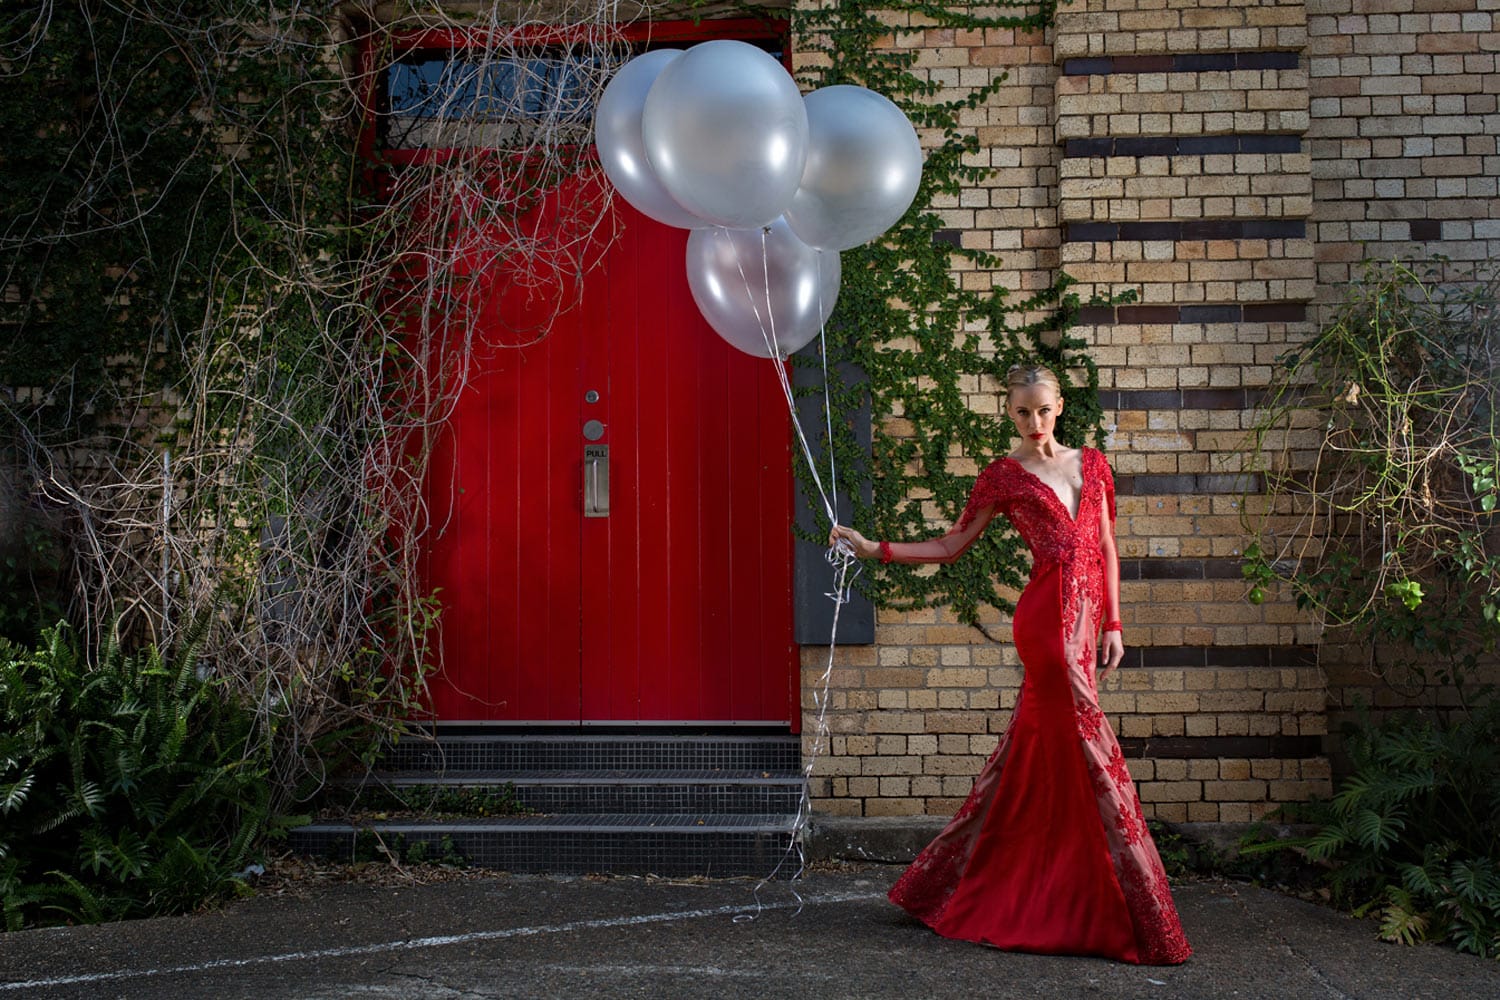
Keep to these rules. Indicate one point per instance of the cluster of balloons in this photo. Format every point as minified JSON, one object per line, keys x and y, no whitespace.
{"x":718,"y":139}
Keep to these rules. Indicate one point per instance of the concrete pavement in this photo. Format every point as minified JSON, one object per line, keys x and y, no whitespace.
{"x":540,"y":936}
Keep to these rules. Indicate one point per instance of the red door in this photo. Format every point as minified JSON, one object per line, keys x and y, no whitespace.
{"x":669,"y":597}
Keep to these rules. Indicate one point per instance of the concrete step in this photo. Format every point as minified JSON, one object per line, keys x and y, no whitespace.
{"x":450,"y":752}
{"x":647,"y":801}
{"x":668,"y":844}
{"x":608,"y":791}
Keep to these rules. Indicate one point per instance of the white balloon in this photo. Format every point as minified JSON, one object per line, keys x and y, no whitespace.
{"x":726,"y":132}
{"x":746,"y":292}
{"x":864,"y":164}
{"x":617,"y":136}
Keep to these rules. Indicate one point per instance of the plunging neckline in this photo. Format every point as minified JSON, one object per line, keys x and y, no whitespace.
{"x":1072,"y":517}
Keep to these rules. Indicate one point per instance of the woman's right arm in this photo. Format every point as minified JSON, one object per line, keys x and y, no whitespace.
{"x":946,"y":548}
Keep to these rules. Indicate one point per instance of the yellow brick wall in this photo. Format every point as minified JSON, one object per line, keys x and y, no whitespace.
{"x":1097,"y":132}
{"x":1405,"y":124}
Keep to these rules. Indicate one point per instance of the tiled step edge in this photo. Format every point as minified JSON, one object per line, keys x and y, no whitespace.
{"x":579,"y":777}
{"x":671,"y":845}
{"x":550,"y":752}
{"x":617,"y":792}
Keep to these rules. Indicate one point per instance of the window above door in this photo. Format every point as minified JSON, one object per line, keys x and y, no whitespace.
{"x":454,"y":89}
{"x":473,"y":97}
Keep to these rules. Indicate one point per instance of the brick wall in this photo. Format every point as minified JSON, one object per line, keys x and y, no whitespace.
{"x":1403,"y":132}
{"x":1224,"y":160}
{"x":1405,"y":121}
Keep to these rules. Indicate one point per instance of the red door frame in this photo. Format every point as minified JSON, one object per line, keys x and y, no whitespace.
{"x":380,"y":162}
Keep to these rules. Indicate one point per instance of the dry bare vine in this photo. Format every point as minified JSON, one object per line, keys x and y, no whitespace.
{"x":1381,"y":449}
{"x":254,"y":460}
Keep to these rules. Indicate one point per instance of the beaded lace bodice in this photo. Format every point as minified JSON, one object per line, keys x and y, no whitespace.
{"x":1055,"y":537}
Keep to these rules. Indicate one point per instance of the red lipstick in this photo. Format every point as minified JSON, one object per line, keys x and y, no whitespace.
{"x":1037,"y":437}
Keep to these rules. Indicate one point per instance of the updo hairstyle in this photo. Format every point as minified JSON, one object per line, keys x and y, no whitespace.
{"x":1023,"y":375}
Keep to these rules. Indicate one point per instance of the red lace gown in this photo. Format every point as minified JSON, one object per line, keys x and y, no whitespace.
{"x":1050,"y":852}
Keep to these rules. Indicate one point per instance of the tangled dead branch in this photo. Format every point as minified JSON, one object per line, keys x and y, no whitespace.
{"x":246,"y":261}
{"x":1379,"y":445}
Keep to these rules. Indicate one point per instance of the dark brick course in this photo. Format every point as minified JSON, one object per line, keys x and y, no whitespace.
{"x":1188,"y":62}
{"x":1188,"y":484}
{"x":1200,"y":229}
{"x":1263,"y":312}
{"x":1204,"y":747}
{"x":1220,"y":656}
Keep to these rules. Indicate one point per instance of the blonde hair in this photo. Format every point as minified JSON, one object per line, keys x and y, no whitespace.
{"x":1024,"y":375}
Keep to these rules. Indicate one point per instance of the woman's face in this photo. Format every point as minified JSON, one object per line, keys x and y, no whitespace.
{"x":1034,"y":409}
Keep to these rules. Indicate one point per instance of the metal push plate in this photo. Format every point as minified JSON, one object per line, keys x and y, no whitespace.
{"x":596,"y":480}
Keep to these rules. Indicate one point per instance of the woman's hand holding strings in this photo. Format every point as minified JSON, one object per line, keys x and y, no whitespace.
{"x":858,"y":544}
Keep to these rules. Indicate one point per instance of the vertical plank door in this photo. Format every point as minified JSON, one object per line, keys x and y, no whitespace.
{"x":676,"y":605}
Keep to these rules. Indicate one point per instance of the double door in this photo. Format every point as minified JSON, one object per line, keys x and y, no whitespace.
{"x":613,"y":504}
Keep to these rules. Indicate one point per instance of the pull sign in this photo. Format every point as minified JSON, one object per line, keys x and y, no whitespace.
{"x":596,"y":480}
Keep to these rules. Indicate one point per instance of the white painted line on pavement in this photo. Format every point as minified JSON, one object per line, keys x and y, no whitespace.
{"x":440,"y":941}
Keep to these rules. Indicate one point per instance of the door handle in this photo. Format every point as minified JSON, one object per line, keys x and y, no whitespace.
{"x":596,"y":480}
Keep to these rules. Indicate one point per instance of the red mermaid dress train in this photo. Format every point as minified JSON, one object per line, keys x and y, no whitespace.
{"x":1050,"y":852}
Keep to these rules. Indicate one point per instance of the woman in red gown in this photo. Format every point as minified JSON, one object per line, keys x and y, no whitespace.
{"x":1050,"y":853}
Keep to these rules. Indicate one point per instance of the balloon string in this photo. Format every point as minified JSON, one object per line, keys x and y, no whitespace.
{"x":845,"y":570}
{"x":833,"y":469}
{"x":841,"y":558}
{"x":767,"y":325}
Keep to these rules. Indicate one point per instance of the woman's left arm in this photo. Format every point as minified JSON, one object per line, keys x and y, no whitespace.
{"x":1112,"y":644}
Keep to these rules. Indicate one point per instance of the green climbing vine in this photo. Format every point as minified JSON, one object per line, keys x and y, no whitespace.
{"x":922,"y":340}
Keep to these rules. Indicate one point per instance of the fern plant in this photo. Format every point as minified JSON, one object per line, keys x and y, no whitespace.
{"x":1413,"y":833}
{"x":128,"y":787}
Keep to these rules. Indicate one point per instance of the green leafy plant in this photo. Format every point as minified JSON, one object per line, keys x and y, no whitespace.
{"x":370,"y":846}
{"x":1413,"y":833}
{"x":920,"y":339}
{"x":129,"y":786}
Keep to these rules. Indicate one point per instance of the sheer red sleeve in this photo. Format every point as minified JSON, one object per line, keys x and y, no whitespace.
{"x":1107,"y":547}
{"x":1109,"y":488}
{"x":985,"y":501}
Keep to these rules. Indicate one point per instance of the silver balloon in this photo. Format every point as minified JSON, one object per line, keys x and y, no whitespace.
{"x":747,"y":292}
{"x":617,"y":136}
{"x":726,"y":131}
{"x":864,"y":164}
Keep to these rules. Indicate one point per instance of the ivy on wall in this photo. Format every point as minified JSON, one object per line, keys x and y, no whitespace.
{"x":923,"y":341}
{"x":208,"y":429}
